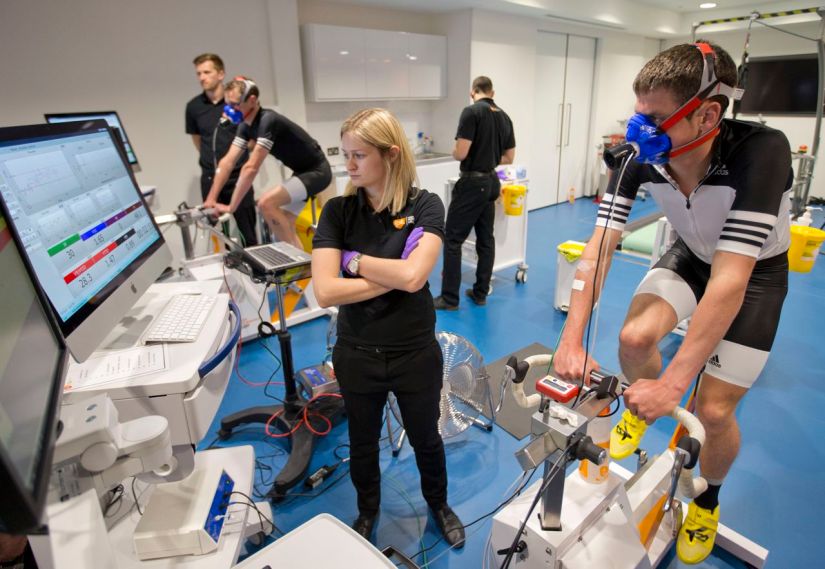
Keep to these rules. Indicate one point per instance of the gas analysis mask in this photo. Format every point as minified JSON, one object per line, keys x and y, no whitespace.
{"x":232,"y":113}
{"x":649,"y":142}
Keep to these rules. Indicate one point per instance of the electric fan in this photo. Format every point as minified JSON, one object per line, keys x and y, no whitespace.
{"x":465,"y":388}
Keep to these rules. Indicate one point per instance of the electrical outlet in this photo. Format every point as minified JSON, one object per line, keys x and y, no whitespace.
{"x":332,"y":151}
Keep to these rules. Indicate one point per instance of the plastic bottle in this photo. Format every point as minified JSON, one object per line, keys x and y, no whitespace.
{"x":598,"y":429}
{"x":805,"y":219}
{"x":571,"y":195}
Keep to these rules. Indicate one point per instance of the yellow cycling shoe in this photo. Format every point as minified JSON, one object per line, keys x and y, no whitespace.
{"x":626,"y":436}
{"x":698,"y":534}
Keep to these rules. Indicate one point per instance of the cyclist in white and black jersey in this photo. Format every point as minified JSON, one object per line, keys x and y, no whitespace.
{"x":723,"y":185}
{"x":265,"y":132}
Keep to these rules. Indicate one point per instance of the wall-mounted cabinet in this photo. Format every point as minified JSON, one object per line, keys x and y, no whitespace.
{"x":345,"y":64}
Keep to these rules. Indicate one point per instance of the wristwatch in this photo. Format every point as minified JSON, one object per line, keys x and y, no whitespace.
{"x":354,"y":264}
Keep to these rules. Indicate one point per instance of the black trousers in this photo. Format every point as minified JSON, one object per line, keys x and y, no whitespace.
{"x":471,"y":207}
{"x":245,"y":216}
{"x":415,"y":377}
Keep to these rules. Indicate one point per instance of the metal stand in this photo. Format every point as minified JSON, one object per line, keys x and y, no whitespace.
{"x":291,"y":414}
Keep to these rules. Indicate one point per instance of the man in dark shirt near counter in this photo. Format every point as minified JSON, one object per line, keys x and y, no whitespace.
{"x":484,"y":140}
{"x":212,"y":135}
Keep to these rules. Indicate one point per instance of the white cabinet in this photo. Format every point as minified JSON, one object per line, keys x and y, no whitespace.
{"x":359,"y":64}
{"x":386,"y":64}
{"x":427,"y":66}
{"x":337,"y":63}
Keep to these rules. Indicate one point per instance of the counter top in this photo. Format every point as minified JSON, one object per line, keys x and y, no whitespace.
{"x":426,"y":159}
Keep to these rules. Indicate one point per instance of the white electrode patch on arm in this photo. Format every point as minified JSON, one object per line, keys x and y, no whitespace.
{"x":578,"y":284}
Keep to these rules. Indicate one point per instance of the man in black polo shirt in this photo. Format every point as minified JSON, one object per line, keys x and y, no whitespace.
{"x":264,"y":132}
{"x":212,"y":137}
{"x":484,"y":140}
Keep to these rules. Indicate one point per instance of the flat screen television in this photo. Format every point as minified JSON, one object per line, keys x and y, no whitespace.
{"x":32,"y":363}
{"x":112,"y":118}
{"x":78,"y":217}
{"x":783,"y":85}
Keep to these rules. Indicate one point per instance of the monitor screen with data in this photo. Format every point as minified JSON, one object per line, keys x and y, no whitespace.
{"x":77,"y":214}
{"x":32,"y":359}
{"x":111,"y":118}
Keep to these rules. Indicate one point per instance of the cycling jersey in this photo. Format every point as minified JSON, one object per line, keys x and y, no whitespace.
{"x":740,"y":206}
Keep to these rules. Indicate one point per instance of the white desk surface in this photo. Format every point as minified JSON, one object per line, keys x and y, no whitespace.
{"x":184,"y":358}
{"x":78,"y":538}
{"x":299,"y":549}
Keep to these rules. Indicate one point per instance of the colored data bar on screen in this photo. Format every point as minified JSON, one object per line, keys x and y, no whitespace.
{"x":65,"y":244}
{"x":104,"y":224}
{"x":98,"y":256}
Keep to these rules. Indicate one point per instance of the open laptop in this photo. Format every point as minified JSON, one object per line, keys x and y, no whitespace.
{"x":270,"y":259}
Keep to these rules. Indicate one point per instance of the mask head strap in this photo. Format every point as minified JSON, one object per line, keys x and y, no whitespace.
{"x":248,"y":84}
{"x":709,"y":87}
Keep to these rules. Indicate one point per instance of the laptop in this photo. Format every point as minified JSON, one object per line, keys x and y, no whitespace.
{"x":270,"y":259}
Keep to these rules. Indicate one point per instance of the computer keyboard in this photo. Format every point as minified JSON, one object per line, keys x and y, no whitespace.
{"x":274,"y":257}
{"x":181,"y":319}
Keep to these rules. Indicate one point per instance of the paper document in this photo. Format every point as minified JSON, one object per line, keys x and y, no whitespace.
{"x":122,"y":364}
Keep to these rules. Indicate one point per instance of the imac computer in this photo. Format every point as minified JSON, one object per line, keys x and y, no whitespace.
{"x":111,"y":118}
{"x":32,"y":361}
{"x":77,"y":215}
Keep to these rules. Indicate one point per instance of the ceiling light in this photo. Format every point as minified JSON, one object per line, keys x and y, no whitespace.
{"x":707,"y":5}
{"x":344,"y":52}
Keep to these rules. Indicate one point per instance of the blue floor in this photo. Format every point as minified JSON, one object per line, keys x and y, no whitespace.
{"x":773,"y":495}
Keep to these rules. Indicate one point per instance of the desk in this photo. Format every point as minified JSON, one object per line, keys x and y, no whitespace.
{"x":189,"y":402}
{"x":78,"y":537}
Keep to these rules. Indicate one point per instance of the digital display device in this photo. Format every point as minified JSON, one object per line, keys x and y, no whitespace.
{"x":111,"y":118}
{"x":77,"y":214}
{"x":785,"y":85}
{"x":32,"y":362}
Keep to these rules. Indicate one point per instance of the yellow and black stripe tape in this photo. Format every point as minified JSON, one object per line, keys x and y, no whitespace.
{"x":760,"y":16}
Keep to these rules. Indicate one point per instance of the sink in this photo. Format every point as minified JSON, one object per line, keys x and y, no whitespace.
{"x":432,"y":155}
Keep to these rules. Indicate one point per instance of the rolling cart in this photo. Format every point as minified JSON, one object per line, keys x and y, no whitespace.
{"x":510,"y":234}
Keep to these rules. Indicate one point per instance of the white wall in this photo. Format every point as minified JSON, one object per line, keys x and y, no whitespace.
{"x":503,"y":48}
{"x":136,"y":58}
{"x":768,"y":42}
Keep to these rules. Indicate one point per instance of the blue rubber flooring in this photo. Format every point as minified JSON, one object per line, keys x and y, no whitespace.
{"x":773,"y":494}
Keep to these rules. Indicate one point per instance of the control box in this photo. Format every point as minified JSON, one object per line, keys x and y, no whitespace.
{"x":185,"y":517}
{"x":556,"y":388}
{"x":318,"y":379}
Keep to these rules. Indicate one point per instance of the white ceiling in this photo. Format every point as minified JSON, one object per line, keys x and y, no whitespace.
{"x":651,"y":18}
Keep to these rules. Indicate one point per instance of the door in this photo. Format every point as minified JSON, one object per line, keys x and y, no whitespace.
{"x":564,"y":82}
{"x":578,"y":88}
{"x":551,"y":51}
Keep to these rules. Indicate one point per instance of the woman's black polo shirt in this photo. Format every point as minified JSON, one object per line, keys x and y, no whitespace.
{"x":397,"y":320}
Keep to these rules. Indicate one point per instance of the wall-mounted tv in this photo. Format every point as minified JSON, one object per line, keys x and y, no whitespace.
{"x":782,"y":85}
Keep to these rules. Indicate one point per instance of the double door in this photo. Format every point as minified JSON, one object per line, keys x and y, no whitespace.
{"x":564,"y":84}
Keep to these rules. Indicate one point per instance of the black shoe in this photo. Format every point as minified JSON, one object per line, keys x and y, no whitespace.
{"x":364,"y":525}
{"x":478,"y":300}
{"x":451,"y":527}
{"x":440,"y":304}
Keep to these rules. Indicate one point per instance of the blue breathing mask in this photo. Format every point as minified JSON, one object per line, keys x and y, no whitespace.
{"x":233,"y":114}
{"x":652,"y":144}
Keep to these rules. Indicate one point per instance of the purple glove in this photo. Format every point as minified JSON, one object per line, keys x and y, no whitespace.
{"x":412,"y":241}
{"x":346,"y":257}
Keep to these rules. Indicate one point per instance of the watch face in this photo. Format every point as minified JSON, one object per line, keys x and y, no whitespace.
{"x":352,"y":266}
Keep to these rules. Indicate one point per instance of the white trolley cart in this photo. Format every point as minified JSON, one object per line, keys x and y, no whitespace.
{"x":510,"y":233}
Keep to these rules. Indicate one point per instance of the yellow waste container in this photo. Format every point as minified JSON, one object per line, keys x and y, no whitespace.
{"x":567,"y":260}
{"x":805,"y":243}
{"x":513,"y":196}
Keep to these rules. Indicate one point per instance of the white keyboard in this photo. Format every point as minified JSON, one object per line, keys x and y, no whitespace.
{"x":181,"y":319}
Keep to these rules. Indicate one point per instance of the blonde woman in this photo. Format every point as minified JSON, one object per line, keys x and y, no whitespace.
{"x":373,"y":251}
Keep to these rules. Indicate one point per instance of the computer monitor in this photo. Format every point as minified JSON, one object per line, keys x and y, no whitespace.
{"x":76,"y":212}
{"x":113,"y":120}
{"x":32,"y":360}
